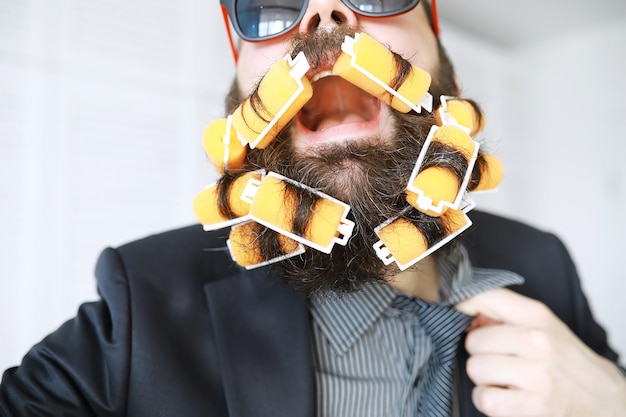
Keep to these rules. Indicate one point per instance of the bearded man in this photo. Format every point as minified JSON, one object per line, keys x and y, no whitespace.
{"x":181,"y":329}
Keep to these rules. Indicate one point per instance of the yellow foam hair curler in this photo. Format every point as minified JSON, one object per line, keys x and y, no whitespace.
{"x":282,"y":92}
{"x":326,"y":219}
{"x":245,"y":250}
{"x":455,"y":221}
{"x":439,"y":184}
{"x":403,"y":242}
{"x":456,"y":111}
{"x":460,"y":111}
{"x":275,"y":206}
{"x":243,"y":246}
{"x":491,"y":173}
{"x":206,"y":206}
{"x":433,"y":191}
{"x":222,"y":146}
{"x":456,"y":138}
{"x":370,"y":66}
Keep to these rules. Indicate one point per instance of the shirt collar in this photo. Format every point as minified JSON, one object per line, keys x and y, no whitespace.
{"x":344,"y":318}
{"x":460,"y":280}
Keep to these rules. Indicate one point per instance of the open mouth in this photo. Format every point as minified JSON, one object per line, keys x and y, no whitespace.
{"x":337,"y":103}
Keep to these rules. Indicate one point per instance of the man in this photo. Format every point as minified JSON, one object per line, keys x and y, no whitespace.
{"x":182,"y":330}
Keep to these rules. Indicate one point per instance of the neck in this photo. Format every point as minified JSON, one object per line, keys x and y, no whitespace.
{"x":421,"y":281}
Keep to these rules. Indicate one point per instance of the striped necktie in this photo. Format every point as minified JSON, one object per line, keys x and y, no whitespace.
{"x":444,"y":325}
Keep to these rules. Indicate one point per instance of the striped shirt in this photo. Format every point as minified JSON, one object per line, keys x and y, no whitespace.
{"x":370,"y":351}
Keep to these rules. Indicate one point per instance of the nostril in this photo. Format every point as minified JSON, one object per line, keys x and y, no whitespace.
{"x":339,"y":18}
{"x":336,"y":18}
{"x":314,"y":23}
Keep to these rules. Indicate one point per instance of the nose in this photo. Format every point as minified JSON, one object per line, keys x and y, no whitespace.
{"x":326,"y":14}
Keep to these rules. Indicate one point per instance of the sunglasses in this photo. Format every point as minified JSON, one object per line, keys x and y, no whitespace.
{"x":260,"y":20}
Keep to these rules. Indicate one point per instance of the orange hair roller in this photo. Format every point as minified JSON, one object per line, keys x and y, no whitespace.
{"x":369,"y":65}
{"x":274,"y":207}
{"x":222,"y":146}
{"x":283,"y":91}
{"x":245,"y":250}
{"x":462,"y":112}
{"x":434,"y":190}
{"x":205,"y":204}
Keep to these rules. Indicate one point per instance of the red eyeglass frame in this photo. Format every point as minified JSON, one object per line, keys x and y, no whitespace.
{"x":233,"y":47}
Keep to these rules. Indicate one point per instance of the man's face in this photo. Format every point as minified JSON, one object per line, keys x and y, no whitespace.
{"x":353,"y":114}
{"x":346,"y":143}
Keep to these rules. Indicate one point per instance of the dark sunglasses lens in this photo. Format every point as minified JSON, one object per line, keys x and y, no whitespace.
{"x":260,"y":19}
{"x":383,"y":7}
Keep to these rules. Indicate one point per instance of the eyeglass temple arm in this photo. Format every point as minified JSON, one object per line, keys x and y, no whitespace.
{"x":231,"y":41}
{"x":433,"y":7}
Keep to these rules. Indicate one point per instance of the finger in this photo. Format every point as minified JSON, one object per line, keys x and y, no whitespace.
{"x":503,"y":371}
{"x":506,"y":306}
{"x":506,"y":339}
{"x":506,"y":402}
{"x":497,"y":338}
{"x":481,"y":320}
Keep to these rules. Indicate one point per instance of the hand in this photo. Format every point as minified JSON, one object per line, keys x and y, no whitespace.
{"x":526,"y":362}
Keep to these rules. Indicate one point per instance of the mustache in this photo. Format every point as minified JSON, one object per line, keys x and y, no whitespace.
{"x":322,"y":48}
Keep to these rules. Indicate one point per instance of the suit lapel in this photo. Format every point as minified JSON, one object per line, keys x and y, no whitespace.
{"x":262,"y":332}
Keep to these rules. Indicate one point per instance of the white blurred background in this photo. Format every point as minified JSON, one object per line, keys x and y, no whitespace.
{"x":102,"y":103}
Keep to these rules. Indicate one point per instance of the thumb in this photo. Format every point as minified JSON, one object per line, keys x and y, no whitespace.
{"x":505,"y":306}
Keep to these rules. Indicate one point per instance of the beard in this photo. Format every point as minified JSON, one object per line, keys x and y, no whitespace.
{"x":370,"y":175}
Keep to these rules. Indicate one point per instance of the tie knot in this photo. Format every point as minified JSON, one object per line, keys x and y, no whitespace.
{"x":442,"y":323}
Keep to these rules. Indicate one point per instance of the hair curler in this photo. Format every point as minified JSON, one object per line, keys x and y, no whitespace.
{"x":275,"y":207}
{"x":433,"y":191}
{"x":462,"y":112}
{"x":370,"y":66}
{"x":282,"y":92}
{"x":222,"y":146}
{"x":491,"y":173}
{"x":206,"y":205}
{"x":438,"y":186}
{"x":245,"y":250}
{"x":402,"y":242}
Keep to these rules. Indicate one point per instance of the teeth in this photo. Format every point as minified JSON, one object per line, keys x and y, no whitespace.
{"x":321,"y":75}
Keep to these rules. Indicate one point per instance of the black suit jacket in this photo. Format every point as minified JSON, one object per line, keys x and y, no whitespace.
{"x":182,"y":331}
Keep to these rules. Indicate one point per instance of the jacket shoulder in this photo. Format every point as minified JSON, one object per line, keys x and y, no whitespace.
{"x":495,"y":241}
{"x":185,"y":255}
{"x":540,"y":257}
{"x":185,"y":238}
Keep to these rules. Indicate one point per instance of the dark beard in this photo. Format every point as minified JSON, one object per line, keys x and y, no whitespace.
{"x":371,"y":176}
